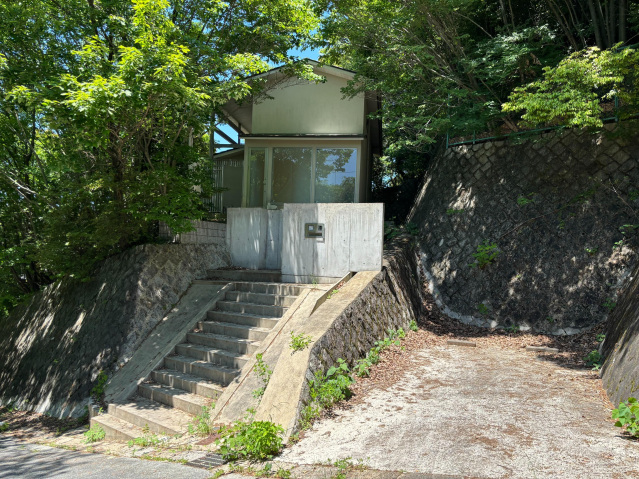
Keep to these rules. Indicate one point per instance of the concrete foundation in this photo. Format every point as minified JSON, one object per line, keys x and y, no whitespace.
{"x":352,"y":240}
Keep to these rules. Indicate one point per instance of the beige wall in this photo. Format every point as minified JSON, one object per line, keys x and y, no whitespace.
{"x":299,"y":106}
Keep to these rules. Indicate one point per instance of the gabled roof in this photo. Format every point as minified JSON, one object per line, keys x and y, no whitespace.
{"x":239,"y":115}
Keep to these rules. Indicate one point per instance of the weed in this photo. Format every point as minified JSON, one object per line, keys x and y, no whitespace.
{"x":299,"y":342}
{"x":626,"y":415}
{"x":145,"y":441}
{"x":94,"y":434}
{"x":97,"y":392}
{"x":618,"y":244}
{"x":202,"y":423}
{"x":219,"y":473}
{"x":282,"y":473}
{"x":600,"y":338}
{"x":332,"y":293}
{"x":524,"y":200}
{"x":485,"y":255}
{"x":264,"y":373}
{"x":253,"y":440}
{"x":625,"y":229}
{"x":593,"y":359}
{"x":452,"y":211}
{"x":413,"y":325}
{"x":610,"y":304}
{"x":550,"y":319}
{"x":592,"y":251}
{"x":633,"y":195}
{"x":327,"y":389}
{"x":4,"y":427}
{"x":513,"y":328}
{"x":362,"y":367}
{"x":482,"y":308}
{"x":412,"y":229}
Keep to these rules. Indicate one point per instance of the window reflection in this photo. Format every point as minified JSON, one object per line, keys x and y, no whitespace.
{"x":292,"y":175}
{"x":335,"y":172}
{"x":257,"y":161}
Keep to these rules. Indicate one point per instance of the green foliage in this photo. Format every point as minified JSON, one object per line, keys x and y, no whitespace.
{"x":572,"y":93}
{"x":264,"y":373}
{"x":105,"y":115}
{"x":593,"y":359}
{"x":600,"y":338}
{"x":202,"y":424}
{"x":4,"y":427}
{"x":524,"y":200}
{"x":327,"y":389}
{"x":94,"y":434}
{"x":592,"y":251}
{"x":451,"y":211}
{"x":413,"y":325}
{"x":482,"y":308}
{"x":144,"y":441}
{"x":609,"y":304}
{"x":486,"y":253}
{"x":299,"y":342}
{"x":250,"y":440}
{"x":513,"y":329}
{"x":97,"y":392}
{"x":626,"y":415}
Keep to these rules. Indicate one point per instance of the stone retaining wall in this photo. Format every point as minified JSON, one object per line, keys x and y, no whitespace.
{"x":391,"y":300}
{"x":53,"y":347}
{"x":561,"y":208}
{"x":206,"y":232}
{"x":620,"y":371}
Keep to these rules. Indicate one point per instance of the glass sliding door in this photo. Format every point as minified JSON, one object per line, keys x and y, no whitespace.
{"x":291,"y":175}
{"x":335,"y":173}
{"x":256,"y":178}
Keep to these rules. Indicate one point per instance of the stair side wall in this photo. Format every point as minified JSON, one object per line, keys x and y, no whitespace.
{"x":53,"y":347}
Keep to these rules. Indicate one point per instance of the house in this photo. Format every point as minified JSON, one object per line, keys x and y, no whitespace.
{"x":303,"y":142}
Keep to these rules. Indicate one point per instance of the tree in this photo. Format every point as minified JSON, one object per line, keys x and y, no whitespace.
{"x":105,"y":107}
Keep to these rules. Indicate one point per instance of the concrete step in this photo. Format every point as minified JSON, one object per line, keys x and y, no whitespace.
{"x":217,"y":373}
{"x":160,"y":419}
{"x":268,"y":288}
{"x":267,"y":275}
{"x":234,"y":345}
{"x":259,"y":298}
{"x":176,"y":398}
{"x":117,"y":429}
{"x":240,"y":331}
{"x":212,"y":355}
{"x":187,"y":382}
{"x":251,"y":308}
{"x":244,"y":319}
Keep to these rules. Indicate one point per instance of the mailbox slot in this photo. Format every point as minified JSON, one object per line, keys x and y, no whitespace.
{"x":313,"y":230}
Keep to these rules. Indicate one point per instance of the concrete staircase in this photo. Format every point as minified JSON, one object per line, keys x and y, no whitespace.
{"x":199,"y":369}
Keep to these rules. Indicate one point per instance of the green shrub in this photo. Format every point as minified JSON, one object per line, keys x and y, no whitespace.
{"x":326,"y":390}
{"x":145,"y":441}
{"x":593,"y":359}
{"x":626,"y":415}
{"x":264,"y":373}
{"x":94,"y":434}
{"x":202,"y":423}
{"x":97,"y":393}
{"x":254,"y":440}
{"x":485,"y":255}
{"x":299,"y":342}
{"x":413,"y":325}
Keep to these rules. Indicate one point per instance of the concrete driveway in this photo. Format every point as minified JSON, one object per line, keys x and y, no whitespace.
{"x":487,"y":412}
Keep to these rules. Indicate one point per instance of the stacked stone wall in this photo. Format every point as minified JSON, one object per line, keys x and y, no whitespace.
{"x":53,"y":347}
{"x":562,"y":210}
{"x":391,"y":301}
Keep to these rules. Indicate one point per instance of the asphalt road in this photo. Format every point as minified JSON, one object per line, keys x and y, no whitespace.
{"x":23,"y":460}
